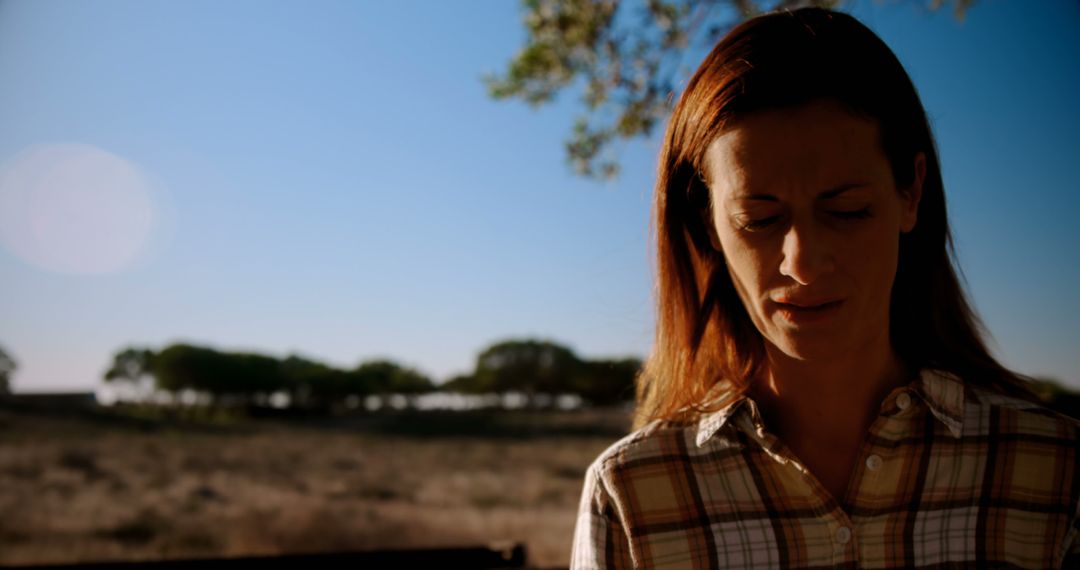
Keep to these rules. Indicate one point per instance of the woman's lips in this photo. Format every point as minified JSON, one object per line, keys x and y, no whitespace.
{"x":806,"y":313}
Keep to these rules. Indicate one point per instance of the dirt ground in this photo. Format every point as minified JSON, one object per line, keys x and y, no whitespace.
{"x":88,"y":488}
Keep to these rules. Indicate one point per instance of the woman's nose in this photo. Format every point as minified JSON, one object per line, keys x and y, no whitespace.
{"x":806,"y":256}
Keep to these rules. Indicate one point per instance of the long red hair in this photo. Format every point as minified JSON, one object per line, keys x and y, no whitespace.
{"x":704,"y":335}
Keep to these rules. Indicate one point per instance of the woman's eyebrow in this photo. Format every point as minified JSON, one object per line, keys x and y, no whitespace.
{"x":840,"y":190}
{"x":757,"y":196}
{"x":823,"y":196}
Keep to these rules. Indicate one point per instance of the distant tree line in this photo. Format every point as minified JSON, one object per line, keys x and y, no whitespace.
{"x":526,"y":366}
{"x":246,"y":378}
{"x":529,"y":367}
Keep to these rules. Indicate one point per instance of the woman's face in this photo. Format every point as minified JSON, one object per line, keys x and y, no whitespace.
{"x":806,"y":212}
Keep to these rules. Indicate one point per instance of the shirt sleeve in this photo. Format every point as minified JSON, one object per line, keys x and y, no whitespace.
{"x":600,"y":541}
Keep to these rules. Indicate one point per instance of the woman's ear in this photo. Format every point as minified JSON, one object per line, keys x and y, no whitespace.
{"x":910,"y":196}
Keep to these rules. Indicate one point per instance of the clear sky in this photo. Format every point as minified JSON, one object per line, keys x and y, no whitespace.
{"x":330,"y":178}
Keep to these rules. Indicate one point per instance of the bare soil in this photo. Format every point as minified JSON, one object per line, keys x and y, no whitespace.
{"x":101,"y":486}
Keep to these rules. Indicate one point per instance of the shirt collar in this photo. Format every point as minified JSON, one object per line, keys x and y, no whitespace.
{"x":712,"y":422}
{"x":943,"y":393}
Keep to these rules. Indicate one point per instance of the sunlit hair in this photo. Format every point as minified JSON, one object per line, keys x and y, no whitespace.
{"x":703,"y":333}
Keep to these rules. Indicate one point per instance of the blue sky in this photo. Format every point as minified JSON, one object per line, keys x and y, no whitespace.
{"x":330,"y":179}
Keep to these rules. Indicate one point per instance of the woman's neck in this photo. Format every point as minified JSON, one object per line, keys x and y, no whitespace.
{"x":855,"y":382}
{"x":822,"y":409}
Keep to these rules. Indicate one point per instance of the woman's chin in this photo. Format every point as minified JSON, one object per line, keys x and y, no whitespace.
{"x":812,"y":347}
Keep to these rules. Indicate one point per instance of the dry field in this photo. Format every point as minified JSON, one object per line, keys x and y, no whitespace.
{"x":90,"y":487}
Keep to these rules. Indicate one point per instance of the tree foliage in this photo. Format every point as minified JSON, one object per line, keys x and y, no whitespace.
{"x":386,"y":377}
{"x":627,"y":60}
{"x":533,"y":367}
{"x":528,"y":366}
{"x":240,"y":376}
{"x":1057,"y":396}
{"x":7,"y":367}
{"x":465,"y":384}
{"x":183,"y":366}
{"x":131,"y":364}
{"x":313,"y":384}
{"x":607,"y":382}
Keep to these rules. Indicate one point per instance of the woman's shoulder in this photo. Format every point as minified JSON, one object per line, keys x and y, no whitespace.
{"x":1005,"y":414}
{"x":980,"y":410}
{"x":659,"y":441}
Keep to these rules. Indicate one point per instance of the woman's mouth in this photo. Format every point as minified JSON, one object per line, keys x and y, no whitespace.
{"x":806,"y":313}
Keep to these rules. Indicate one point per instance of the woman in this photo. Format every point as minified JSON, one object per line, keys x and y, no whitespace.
{"x":819,"y":393}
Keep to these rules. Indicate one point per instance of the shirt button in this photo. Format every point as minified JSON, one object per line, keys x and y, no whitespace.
{"x":873,"y":462}
{"x":843,"y":535}
{"x":903,"y":401}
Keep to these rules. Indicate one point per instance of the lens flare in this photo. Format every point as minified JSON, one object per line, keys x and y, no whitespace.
{"x":74,"y":208}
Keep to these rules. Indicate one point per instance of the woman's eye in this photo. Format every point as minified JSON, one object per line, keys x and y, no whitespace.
{"x":852,"y":214}
{"x":759,"y":224}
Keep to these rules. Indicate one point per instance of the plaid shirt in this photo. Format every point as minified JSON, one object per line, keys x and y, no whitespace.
{"x":948,"y":475}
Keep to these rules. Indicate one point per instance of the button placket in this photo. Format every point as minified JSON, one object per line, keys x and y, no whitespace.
{"x":843,"y":535}
{"x":874,"y":462}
